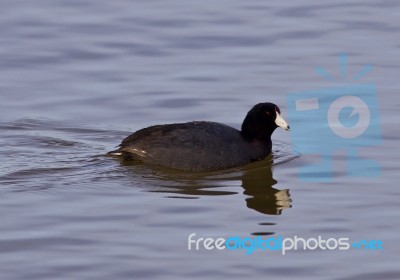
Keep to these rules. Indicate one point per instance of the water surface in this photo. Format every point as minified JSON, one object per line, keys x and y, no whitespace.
{"x":76,"y":77}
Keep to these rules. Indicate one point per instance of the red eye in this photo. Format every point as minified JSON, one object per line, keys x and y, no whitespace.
{"x":268,"y":113}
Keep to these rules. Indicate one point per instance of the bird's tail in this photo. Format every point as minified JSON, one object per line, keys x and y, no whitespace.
{"x":115,"y":153}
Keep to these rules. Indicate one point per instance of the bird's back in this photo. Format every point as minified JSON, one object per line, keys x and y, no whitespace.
{"x":194,"y":146}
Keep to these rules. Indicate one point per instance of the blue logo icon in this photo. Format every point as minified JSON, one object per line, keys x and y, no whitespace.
{"x":328,"y":120}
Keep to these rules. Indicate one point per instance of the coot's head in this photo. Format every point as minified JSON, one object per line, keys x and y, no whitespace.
{"x":261,"y":121}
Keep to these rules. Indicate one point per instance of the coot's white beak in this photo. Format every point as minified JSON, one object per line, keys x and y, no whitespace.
{"x":281,"y":122}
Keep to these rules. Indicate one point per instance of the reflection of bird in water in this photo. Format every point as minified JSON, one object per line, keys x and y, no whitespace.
{"x":256,"y":178}
{"x":257,"y":184}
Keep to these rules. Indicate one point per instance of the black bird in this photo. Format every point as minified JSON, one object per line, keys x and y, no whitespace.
{"x":205,"y":146}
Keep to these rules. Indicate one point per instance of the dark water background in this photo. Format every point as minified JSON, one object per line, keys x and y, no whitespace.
{"x":78,"y":76}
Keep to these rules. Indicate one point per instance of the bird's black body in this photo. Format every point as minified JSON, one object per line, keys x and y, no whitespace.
{"x":202,"y":146}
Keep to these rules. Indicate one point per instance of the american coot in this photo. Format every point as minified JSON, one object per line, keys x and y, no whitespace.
{"x":205,"y":146}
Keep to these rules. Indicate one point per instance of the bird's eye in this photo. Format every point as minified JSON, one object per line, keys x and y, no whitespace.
{"x":268,"y":113}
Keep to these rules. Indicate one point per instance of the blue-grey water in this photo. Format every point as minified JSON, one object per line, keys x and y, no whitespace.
{"x":76,"y":77}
